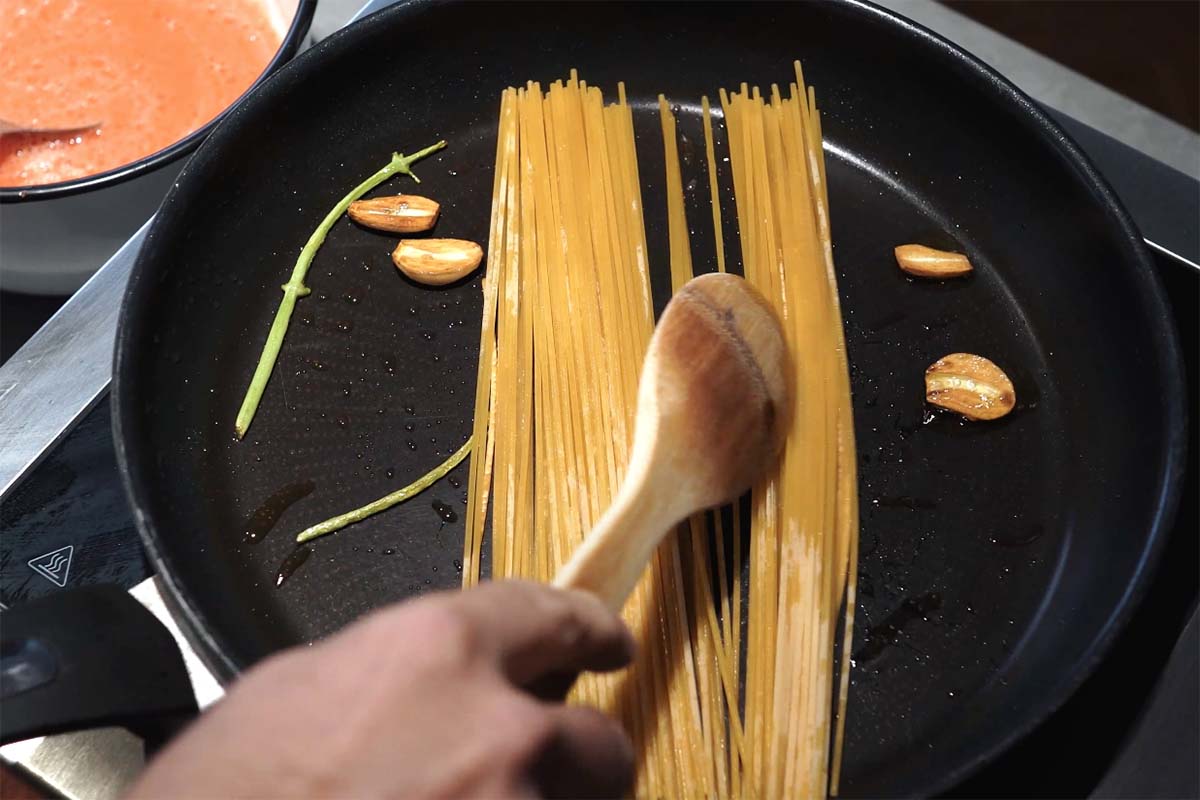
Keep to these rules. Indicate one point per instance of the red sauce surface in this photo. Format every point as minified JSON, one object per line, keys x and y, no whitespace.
{"x":147,"y":72}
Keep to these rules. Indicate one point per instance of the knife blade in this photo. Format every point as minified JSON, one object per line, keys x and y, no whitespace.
{"x":63,"y":370}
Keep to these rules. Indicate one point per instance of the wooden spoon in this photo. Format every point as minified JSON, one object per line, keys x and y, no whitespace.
{"x":714,"y":402}
{"x":16,"y":129}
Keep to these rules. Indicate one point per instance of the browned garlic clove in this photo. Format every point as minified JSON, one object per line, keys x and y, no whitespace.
{"x":971,"y":385}
{"x":437,"y":261}
{"x":925,"y":262}
{"x":402,"y":213}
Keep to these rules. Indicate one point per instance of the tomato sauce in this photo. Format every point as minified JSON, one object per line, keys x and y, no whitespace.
{"x":144,"y":73}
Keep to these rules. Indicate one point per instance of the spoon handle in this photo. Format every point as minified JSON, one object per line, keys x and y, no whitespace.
{"x":613,"y":555}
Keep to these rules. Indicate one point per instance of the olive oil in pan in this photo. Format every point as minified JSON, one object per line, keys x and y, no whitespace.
{"x":904,"y":501}
{"x":265,"y":517}
{"x":1019,"y":538}
{"x":293,"y":562}
{"x":887,"y":633}
{"x":444,"y":511}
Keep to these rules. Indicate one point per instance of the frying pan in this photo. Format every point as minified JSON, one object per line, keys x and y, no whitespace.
{"x":998,"y":560}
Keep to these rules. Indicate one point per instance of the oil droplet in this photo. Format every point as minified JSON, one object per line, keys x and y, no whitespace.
{"x":342,"y":421}
{"x":409,"y":409}
{"x":887,"y":321}
{"x":351,"y":299}
{"x":904,"y":501}
{"x":345,"y":327}
{"x":408,"y":426}
{"x":293,"y":562}
{"x":457,"y":565}
{"x":687,"y":150}
{"x":389,"y":473}
{"x":260,"y":523}
{"x":427,"y":336}
{"x":886,"y":633}
{"x":389,"y":552}
{"x":455,"y":482}
{"x":445,"y":512}
{"x":1019,"y":538}
{"x":411,"y":444}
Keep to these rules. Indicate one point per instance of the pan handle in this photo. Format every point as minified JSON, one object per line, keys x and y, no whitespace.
{"x":88,"y":658}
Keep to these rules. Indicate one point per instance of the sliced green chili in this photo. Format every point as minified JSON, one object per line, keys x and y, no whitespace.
{"x":386,"y":502}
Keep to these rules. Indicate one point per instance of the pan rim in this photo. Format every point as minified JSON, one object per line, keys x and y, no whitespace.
{"x":1030,"y":117}
{"x":1167,"y":349}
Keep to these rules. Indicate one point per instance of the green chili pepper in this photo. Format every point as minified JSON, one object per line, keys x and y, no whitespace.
{"x":294,"y":289}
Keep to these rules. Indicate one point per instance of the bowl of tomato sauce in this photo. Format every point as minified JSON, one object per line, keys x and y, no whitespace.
{"x":131,"y":87}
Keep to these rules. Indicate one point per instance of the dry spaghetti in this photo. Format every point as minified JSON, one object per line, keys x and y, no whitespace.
{"x":567,"y":317}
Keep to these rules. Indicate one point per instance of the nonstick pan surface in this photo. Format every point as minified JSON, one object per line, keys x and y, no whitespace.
{"x":997,"y":559}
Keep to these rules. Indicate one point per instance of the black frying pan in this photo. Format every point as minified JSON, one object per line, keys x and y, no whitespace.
{"x":997,"y":559}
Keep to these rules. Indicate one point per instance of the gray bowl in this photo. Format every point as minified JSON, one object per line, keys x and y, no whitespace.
{"x":54,"y":236}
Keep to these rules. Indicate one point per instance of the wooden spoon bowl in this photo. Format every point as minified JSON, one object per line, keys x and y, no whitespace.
{"x":714,"y":401}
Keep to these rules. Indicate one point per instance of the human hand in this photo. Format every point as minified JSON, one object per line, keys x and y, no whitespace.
{"x":429,"y":698}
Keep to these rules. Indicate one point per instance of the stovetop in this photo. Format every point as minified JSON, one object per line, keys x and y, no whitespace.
{"x":68,"y":524}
